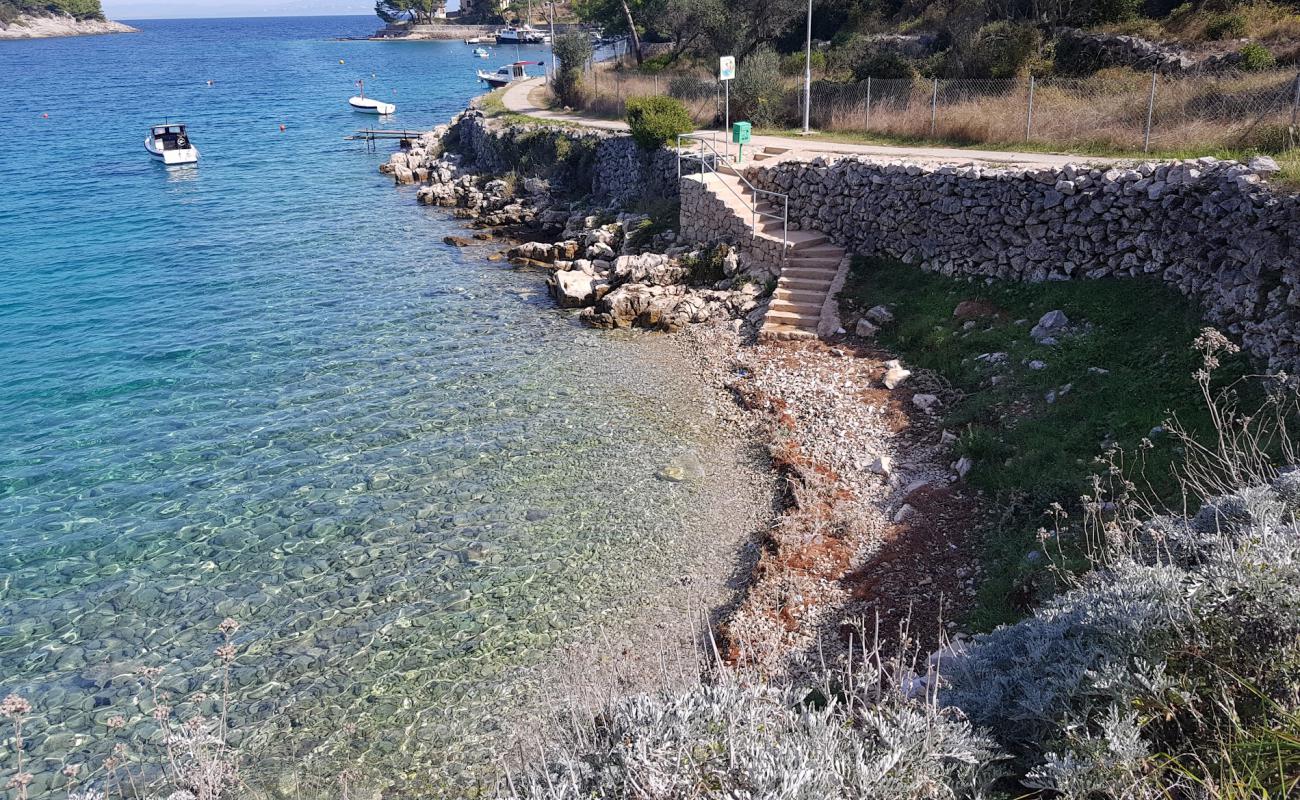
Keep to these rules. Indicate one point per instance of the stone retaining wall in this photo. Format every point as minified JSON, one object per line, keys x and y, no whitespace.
{"x":1210,"y":228}
{"x":618,"y":172}
{"x":705,"y":218}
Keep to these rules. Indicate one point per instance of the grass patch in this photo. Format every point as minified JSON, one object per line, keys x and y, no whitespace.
{"x":1289,"y":161}
{"x":1029,"y":453}
{"x":494,"y":107}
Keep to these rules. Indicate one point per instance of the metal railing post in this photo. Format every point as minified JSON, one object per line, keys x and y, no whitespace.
{"x":1029,"y":117}
{"x":934,"y":107}
{"x":785,"y":229}
{"x":1151,"y":110}
{"x":866,"y":121}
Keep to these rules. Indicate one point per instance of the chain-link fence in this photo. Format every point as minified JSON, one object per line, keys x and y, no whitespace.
{"x":1232,"y":110}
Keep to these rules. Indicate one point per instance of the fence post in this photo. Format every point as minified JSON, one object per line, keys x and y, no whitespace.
{"x":934,"y":107}
{"x":866,"y":122}
{"x":1151,"y":110}
{"x":1029,"y":117}
{"x":1295,"y":101}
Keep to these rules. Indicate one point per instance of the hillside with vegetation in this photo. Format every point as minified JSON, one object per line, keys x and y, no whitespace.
{"x":956,"y":38}
{"x":11,"y":10}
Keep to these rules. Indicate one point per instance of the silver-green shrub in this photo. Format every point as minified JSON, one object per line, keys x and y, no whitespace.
{"x":749,"y":740}
{"x":1174,"y":647}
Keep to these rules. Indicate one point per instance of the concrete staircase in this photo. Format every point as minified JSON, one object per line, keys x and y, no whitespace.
{"x":811,"y":261}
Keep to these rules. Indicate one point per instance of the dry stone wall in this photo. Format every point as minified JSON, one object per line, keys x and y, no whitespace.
{"x":617,"y":171}
{"x":1210,"y":228}
{"x":705,"y":218}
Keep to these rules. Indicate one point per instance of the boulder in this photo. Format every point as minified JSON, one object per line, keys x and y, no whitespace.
{"x":866,"y":329}
{"x":895,"y":374}
{"x":926,"y":402}
{"x":1051,"y":323}
{"x":880,"y":315}
{"x":650,"y":268}
{"x":574,"y":289}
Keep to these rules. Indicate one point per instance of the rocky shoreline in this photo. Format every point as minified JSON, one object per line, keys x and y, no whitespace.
{"x":873,"y":531}
{"x":30,"y":26}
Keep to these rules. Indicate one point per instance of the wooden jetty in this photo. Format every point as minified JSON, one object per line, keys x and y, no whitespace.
{"x":372,"y":135}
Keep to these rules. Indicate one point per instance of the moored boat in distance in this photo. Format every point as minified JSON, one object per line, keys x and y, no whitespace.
{"x":481,"y":52}
{"x":521,"y":34}
{"x":171,"y":144}
{"x":369,"y":105}
{"x":507,"y":74}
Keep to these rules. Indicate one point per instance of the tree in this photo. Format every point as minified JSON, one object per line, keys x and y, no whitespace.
{"x":573,"y":50}
{"x":417,"y":11}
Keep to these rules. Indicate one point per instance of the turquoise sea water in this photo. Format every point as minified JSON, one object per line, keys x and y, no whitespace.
{"x":263,"y":388}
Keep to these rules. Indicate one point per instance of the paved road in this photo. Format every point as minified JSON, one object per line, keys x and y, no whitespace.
{"x":517,"y":99}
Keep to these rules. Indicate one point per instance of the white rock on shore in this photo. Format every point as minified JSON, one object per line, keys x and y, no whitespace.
{"x":29,"y":26}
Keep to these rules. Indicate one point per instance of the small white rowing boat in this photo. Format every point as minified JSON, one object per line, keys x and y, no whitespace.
{"x":171,"y":145}
{"x":481,"y":53}
{"x":369,"y":105}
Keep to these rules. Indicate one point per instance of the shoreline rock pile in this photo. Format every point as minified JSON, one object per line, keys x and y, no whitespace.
{"x":601,"y":261}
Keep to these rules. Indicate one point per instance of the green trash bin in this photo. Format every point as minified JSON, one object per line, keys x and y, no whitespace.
{"x":740,"y":132}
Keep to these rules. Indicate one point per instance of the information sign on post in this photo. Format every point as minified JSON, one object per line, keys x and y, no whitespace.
{"x":727,"y":74}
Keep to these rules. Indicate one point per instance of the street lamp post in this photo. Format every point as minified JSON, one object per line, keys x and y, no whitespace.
{"x":554,"y":68}
{"x":807,"y":73}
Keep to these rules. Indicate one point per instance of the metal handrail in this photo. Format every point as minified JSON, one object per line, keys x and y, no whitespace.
{"x":755,"y":213}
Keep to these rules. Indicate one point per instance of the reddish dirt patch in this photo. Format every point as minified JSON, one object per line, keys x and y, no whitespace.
{"x":925,"y":570}
{"x":977,"y":309}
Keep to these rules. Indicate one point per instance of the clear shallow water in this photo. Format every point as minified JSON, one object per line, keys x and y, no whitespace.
{"x":263,"y":388}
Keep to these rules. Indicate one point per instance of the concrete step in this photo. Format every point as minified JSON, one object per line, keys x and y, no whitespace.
{"x":803,"y":240}
{"x":804,"y":285}
{"x":796,"y":294}
{"x":827,"y":250}
{"x":808,"y":271}
{"x":776,"y":331}
{"x":802,"y":258}
{"x":806,"y":267}
{"x":807,"y":309}
{"x":794,"y":320}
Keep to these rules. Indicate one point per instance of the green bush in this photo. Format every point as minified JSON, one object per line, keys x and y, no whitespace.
{"x":757,"y":94}
{"x":794,"y":63}
{"x":573,"y":51}
{"x":1002,"y":49}
{"x":1106,"y":12}
{"x":1226,"y":26}
{"x":1256,"y":57}
{"x":882,"y":64}
{"x":657,"y":120}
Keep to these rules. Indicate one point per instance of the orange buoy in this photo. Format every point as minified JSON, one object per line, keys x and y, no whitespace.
{"x":45,"y":116}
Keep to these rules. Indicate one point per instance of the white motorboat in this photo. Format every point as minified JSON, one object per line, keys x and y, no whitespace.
{"x":171,"y":144}
{"x":369,"y":105}
{"x":507,"y":74}
{"x":480,"y":52}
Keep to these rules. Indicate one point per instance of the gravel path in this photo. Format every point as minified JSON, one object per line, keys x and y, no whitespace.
{"x":520,"y":98}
